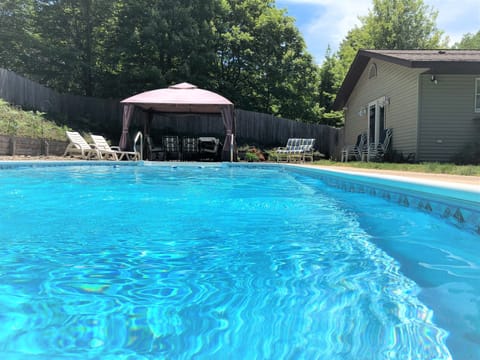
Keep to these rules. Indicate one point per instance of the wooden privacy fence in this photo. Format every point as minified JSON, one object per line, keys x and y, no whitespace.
{"x":252,"y":128}
{"x":104,"y":116}
{"x":81,"y":112}
{"x":269,"y":130}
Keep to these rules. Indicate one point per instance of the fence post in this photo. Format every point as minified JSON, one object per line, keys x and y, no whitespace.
{"x":44,"y":148}
{"x":13,"y":145}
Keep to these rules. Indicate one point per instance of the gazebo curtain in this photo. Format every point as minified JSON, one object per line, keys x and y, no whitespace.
{"x":127,"y":119}
{"x":229,"y":152}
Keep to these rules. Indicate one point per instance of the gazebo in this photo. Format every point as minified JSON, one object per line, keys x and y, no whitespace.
{"x":182,"y":98}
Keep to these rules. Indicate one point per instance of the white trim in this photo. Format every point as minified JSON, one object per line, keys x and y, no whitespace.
{"x":376,"y":104}
{"x":477,"y":96}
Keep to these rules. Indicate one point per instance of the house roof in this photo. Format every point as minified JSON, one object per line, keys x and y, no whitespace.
{"x":433,"y":61}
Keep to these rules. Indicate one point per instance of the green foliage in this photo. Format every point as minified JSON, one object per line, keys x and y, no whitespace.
{"x":153,"y":44}
{"x":333,"y":118}
{"x":17,"y":122}
{"x":263,"y":64}
{"x":402,"y":24}
{"x":251,"y":157}
{"x":470,"y":154}
{"x":67,"y":38}
{"x":469,"y":42}
{"x":329,"y":85}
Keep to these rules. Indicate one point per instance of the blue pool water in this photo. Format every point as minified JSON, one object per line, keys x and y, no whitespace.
{"x":147,"y":262}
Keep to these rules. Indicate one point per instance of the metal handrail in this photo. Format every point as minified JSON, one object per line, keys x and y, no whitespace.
{"x":138,"y":136}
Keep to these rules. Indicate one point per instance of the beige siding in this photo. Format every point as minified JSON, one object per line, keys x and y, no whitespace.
{"x":447,"y":117}
{"x":398,"y":83}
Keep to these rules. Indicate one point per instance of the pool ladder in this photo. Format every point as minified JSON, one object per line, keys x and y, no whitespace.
{"x":138,"y":137}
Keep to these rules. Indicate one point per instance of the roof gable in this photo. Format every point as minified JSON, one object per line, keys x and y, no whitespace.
{"x":434,"y":61}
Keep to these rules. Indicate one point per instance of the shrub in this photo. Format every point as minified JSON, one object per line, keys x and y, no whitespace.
{"x":469,"y":155}
{"x":17,"y":122}
{"x":251,"y":157}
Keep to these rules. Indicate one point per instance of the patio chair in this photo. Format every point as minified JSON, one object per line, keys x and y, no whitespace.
{"x":171,"y":146}
{"x":154,"y":152}
{"x":208,"y":147}
{"x":302,"y":151}
{"x":78,"y":146}
{"x":112,"y":152}
{"x":355,"y":151}
{"x":189,"y":147}
{"x":289,"y":150}
{"x":377,"y":151}
{"x":307,"y":148}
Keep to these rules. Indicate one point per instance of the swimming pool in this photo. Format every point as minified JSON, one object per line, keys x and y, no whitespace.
{"x":220,"y":262}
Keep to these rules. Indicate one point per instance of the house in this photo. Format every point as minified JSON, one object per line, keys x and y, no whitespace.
{"x":430,"y":99}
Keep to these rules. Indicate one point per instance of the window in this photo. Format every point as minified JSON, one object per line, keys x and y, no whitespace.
{"x":477,"y":95}
{"x":372,"y":73}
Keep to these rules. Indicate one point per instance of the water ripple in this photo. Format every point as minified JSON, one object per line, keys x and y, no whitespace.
{"x":262,"y":268}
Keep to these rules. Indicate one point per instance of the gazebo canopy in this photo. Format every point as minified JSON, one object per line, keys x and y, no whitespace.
{"x":183,"y":98}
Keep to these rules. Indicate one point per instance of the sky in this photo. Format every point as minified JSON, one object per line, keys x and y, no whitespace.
{"x":327,"y":22}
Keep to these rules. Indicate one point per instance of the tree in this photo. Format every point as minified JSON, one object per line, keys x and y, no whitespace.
{"x":262,"y":62}
{"x":68,"y":38}
{"x":469,"y":42}
{"x":156,"y":43}
{"x":329,"y":85}
{"x":402,"y":24}
{"x":16,"y":34}
{"x":246,"y":49}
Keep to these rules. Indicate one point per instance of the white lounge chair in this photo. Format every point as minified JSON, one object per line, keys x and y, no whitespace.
{"x":78,"y":146}
{"x":112,"y":152}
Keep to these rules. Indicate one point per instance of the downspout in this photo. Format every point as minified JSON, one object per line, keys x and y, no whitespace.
{"x":419,"y":114}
